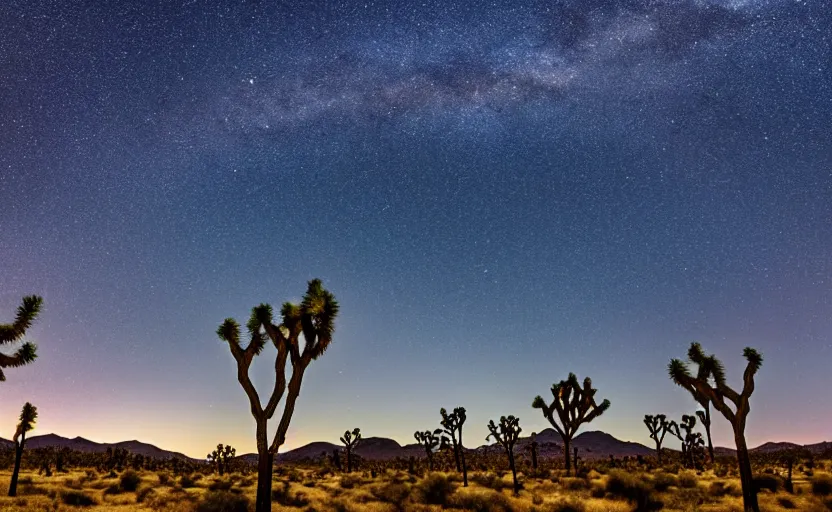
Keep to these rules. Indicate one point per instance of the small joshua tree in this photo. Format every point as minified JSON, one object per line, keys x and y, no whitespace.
{"x":710,"y":369}
{"x":704,"y":416}
{"x":533,"y":444}
{"x":692,"y":442}
{"x":27,"y":312}
{"x":351,"y":440}
{"x":574,"y":405}
{"x":314,"y":318}
{"x":506,"y":433}
{"x":221,"y":458}
{"x":430,"y":441}
{"x":28,"y":416}
{"x":658,"y":427}
{"x":452,"y":424}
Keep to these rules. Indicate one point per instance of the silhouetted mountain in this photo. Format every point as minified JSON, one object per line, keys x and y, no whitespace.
{"x":85,"y":445}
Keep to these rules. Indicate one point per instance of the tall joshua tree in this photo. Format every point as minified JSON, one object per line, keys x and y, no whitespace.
{"x":314,"y":318}
{"x":709,"y":382}
{"x":27,"y":312}
{"x":658,"y":427}
{"x":351,"y":440}
{"x":28,"y":416}
{"x":574,"y":405}
{"x":506,"y":433}
{"x":452,"y":423}
{"x":430,"y":441}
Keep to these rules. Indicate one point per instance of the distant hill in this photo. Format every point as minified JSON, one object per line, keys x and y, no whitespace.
{"x":85,"y":445}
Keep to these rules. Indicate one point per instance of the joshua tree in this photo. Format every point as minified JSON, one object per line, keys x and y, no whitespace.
{"x":533,"y":449}
{"x":704,"y":416}
{"x":314,"y":318}
{"x":27,"y":312}
{"x":574,"y":406}
{"x":430,"y":441}
{"x":711,"y":369}
{"x":350,"y":441}
{"x":506,"y":433}
{"x":452,"y":424}
{"x":691,"y":441}
{"x":28,"y":416}
{"x":221,"y":458}
{"x":658,"y":427}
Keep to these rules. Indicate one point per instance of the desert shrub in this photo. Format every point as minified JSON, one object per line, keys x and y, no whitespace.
{"x":77,"y":499}
{"x":537,"y":499}
{"x":25,"y":480}
{"x":435,"y":489}
{"x":489,"y":480}
{"x":247,"y":482}
{"x":574,"y":484}
{"x":394,"y":493}
{"x":786,"y":503}
{"x":688,"y":480}
{"x":186,"y":481}
{"x":144,"y":494}
{"x":634,"y":490}
{"x":33,"y":490}
{"x":223,"y":501}
{"x":164,"y":478}
{"x":822,"y":486}
{"x":597,"y":492}
{"x":664,"y":481}
{"x":686,"y":499}
{"x":129,"y":481}
{"x":767,"y":482}
{"x":113,"y":488}
{"x":481,"y":501}
{"x":72,"y":483}
{"x":220,"y":484}
{"x":720,"y":470}
{"x":720,"y":489}
{"x":349,"y":481}
{"x":283,"y":495}
{"x":566,"y":505}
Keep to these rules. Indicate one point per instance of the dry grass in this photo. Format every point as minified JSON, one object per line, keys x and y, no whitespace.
{"x":396,"y":491}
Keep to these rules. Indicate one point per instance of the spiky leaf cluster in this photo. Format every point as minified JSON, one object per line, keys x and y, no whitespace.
{"x":28,"y":417}
{"x":573,"y":403}
{"x":14,"y":332}
{"x":506,"y":432}
{"x":351,"y":439}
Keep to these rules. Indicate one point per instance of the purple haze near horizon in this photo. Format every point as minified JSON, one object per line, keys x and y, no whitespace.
{"x":497,"y":195}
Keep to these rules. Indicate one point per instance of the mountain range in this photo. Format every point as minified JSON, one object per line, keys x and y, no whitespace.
{"x":592,"y":444}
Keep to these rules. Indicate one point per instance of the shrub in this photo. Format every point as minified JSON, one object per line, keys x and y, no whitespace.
{"x":490,"y":480}
{"x":113,"y":489}
{"x":394,"y":493}
{"x":688,"y":480}
{"x":186,"y":481}
{"x":566,"y":505}
{"x":77,"y":499}
{"x":349,"y":481}
{"x":481,"y":501}
{"x":223,"y":501}
{"x":283,"y":495}
{"x":144,"y":494}
{"x":720,"y":489}
{"x":664,"y":481}
{"x":435,"y":489}
{"x":129,"y":481}
{"x":768,"y":482}
{"x":164,"y":478}
{"x":822,"y":486}
{"x":222,"y":484}
{"x":634,"y":490}
{"x":574,"y":484}
{"x":786,"y":503}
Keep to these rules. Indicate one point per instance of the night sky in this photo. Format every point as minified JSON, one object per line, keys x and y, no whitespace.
{"x":496,"y":194}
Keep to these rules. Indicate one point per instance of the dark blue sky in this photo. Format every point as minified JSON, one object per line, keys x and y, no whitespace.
{"x":497,"y":194}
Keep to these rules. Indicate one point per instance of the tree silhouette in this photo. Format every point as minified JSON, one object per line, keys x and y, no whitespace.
{"x":533,"y":445}
{"x":313,"y":318}
{"x":574,"y":405}
{"x":506,"y":433}
{"x":350,"y":441}
{"x":658,"y":427}
{"x":221,"y":458}
{"x":452,"y":424}
{"x":27,"y":312}
{"x":28,"y":416}
{"x":692,"y":443}
{"x":430,"y":441}
{"x":705,"y":418}
{"x":710,"y":369}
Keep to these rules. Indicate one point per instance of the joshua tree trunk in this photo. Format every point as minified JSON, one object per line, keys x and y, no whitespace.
{"x":462,"y":456}
{"x":566,"y":454}
{"x":456,"y":456}
{"x":534,"y":457}
{"x":659,"y":452}
{"x":710,"y":443}
{"x":749,"y":494}
{"x":265,"y":465}
{"x":18,"y":454}
{"x":513,"y":471}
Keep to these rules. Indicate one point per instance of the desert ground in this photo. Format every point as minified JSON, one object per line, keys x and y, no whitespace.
{"x":310,"y":488}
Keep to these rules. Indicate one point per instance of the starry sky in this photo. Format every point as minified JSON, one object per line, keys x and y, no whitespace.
{"x":497,"y":194}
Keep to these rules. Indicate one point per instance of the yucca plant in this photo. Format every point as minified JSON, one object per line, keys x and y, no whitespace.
{"x":28,"y":416}
{"x":314,"y":319}
{"x":14,"y":332}
{"x":574,"y":406}
{"x":507,"y":433}
{"x":452,"y":423}
{"x":351,"y":440}
{"x":430,"y":441}
{"x":709,"y":382}
{"x":658,"y":427}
